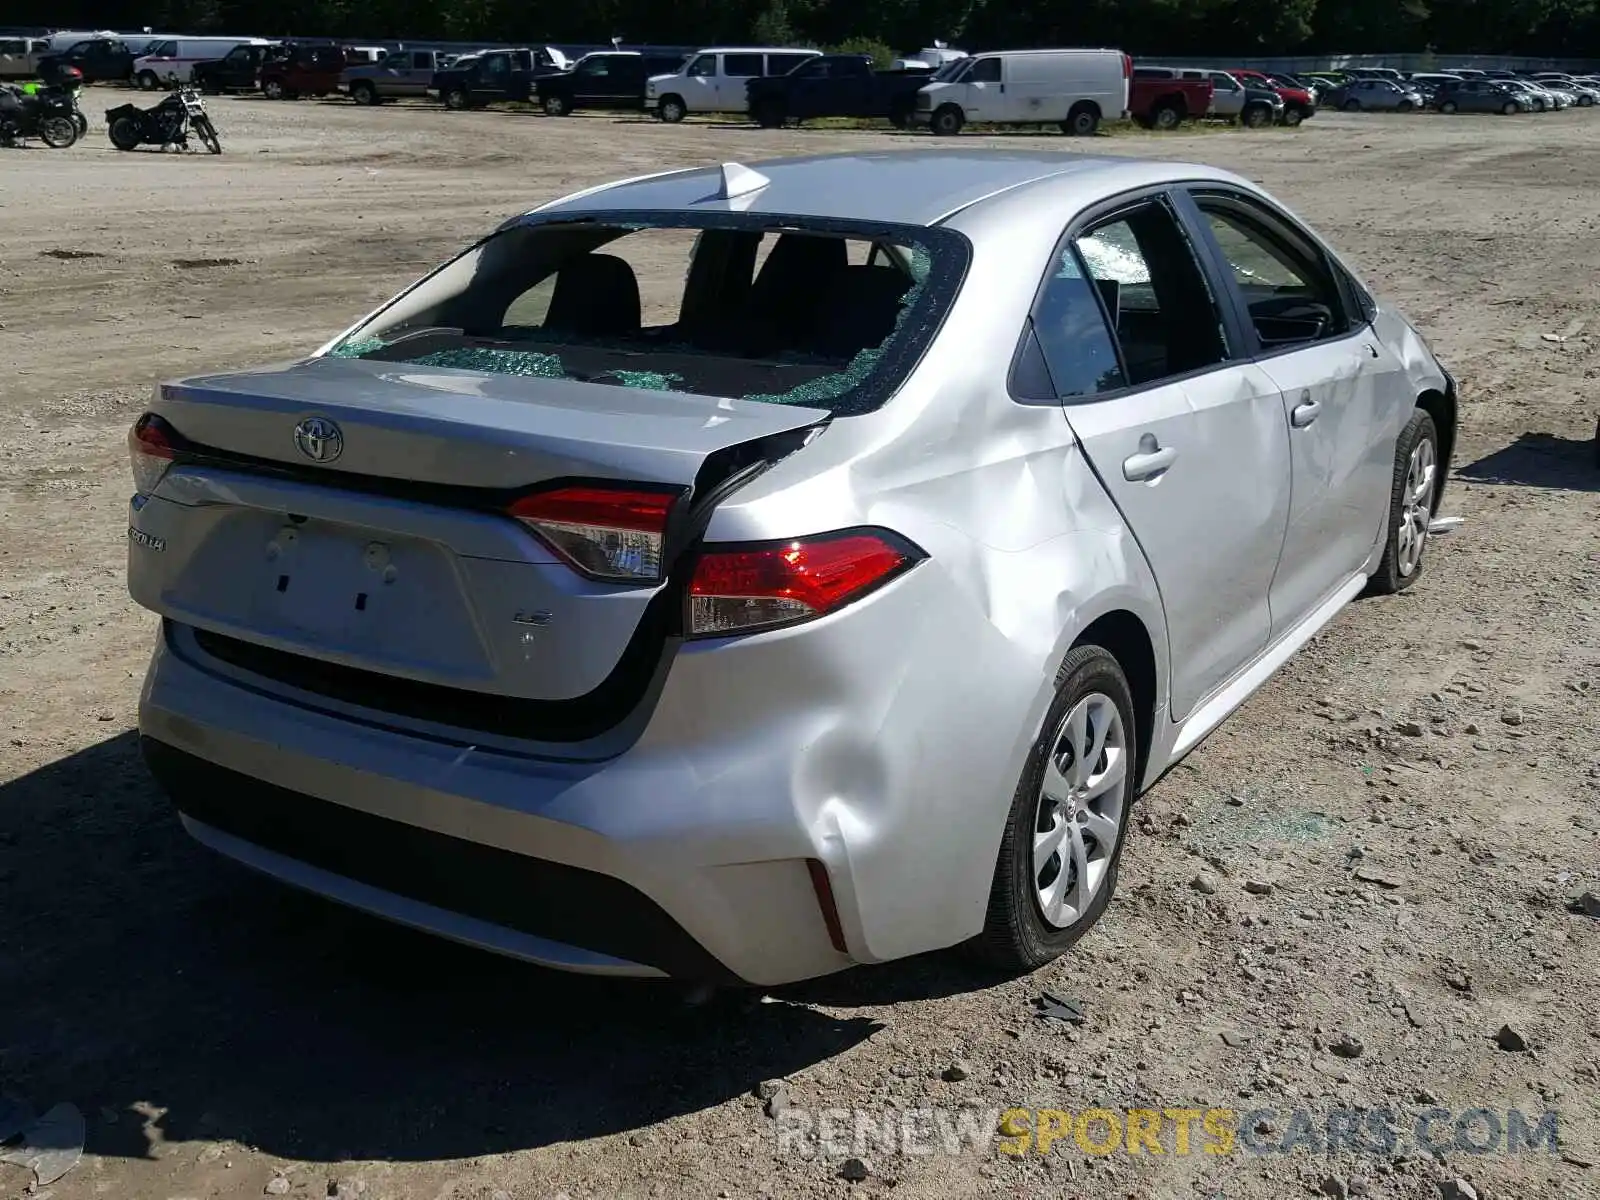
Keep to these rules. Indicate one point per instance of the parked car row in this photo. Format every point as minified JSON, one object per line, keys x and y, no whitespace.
{"x":1463,"y":89}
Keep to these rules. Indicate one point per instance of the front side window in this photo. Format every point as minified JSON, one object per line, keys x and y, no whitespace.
{"x":1287,"y":286}
{"x":703,"y":67}
{"x":985,"y":70}
{"x":599,"y":68}
{"x":1160,"y":306}
{"x":830,"y":314}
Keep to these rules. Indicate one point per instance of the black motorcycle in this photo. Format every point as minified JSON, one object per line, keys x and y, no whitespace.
{"x":167,"y":124}
{"x":45,"y":114}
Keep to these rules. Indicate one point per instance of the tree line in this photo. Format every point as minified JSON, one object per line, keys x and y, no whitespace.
{"x":1227,"y":28}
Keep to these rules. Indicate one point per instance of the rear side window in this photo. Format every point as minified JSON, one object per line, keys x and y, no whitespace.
{"x":741,"y":66}
{"x":825,"y":314}
{"x":1068,"y":320}
{"x":782,"y":64}
{"x":1159,"y":304}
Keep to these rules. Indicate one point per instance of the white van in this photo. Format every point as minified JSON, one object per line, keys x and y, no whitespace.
{"x":1076,"y":89}
{"x":714,"y":79}
{"x":177,"y":56}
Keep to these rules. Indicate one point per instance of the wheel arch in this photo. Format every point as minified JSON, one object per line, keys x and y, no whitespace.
{"x":1441,"y":406}
{"x":1124,"y":636}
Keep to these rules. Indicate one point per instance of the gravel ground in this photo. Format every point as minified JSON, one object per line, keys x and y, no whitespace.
{"x":1336,"y":903}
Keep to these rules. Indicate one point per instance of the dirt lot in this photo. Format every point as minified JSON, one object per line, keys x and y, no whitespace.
{"x":220,"y":1034}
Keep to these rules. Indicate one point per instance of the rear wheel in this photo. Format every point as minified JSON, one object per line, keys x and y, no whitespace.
{"x":363,"y":92}
{"x":1057,"y":866}
{"x":124,"y":133}
{"x":672,"y":109}
{"x":58,"y":132}
{"x":82,"y":122}
{"x":557,"y":106}
{"x":1166,"y":117}
{"x":947,"y":121}
{"x":1082,"y":121}
{"x":1411,"y":499}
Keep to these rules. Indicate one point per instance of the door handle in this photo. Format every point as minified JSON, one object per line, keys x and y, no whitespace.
{"x":1149,"y":462}
{"x":1372,"y":350}
{"x":1304,"y":413}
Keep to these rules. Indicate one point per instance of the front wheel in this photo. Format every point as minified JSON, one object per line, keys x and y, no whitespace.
{"x":1404,"y":106}
{"x":1508,"y":109}
{"x":1411,"y":498}
{"x":363,"y":93}
{"x":208,"y":134}
{"x":769,"y":115}
{"x":147,"y":81}
{"x":273,"y":90}
{"x":947,"y":122}
{"x":1257,"y":116}
{"x":125,"y":133}
{"x":672,"y":110}
{"x":1449,"y":107}
{"x":1057,"y":866}
{"x":1292,"y":117}
{"x":557,"y":106}
{"x":1352,"y":106}
{"x":456,"y":99}
{"x":58,"y":132}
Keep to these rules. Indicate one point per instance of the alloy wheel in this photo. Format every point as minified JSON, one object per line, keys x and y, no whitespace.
{"x":1416,"y":509}
{"x":1080,"y":809}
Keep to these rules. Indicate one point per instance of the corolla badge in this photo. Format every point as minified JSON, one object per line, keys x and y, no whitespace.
{"x":319,"y":439}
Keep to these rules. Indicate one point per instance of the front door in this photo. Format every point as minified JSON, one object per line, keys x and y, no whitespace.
{"x":700,"y":87}
{"x":1333,"y":375}
{"x":1185,"y":434}
{"x":985,"y":88}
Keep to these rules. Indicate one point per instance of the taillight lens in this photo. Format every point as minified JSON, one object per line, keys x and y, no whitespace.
{"x":607,"y":533}
{"x":739,"y":589}
{"x":1127,"y":66}
{"x":152,"y":445}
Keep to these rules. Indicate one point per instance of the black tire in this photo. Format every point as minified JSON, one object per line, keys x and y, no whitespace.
{"x":557,"y":106}
{"x":1508,"y":109}
{"x":363,"y":92}
{"x":1166,"y":117}
{"x":769,"y":115}
{"x":124,"y":133}
{"x":456,"y":99}
{"x":1257,"y":116}
{"x":1016,"y":938}
{"x":82,"y":122}
{"x":947,"y":121}
{"x":900,"y":117}
{"x":208,"y":134}
{"x":1597,"y":443}
{"x":1392,"y":574}
{"x":1585,"y":101}
{"x":1404,"y":106}
{"x":1082,"y":121}
{"x":58,"y":132}
{"x":1352,"y":106}
{"x":1448,"y":107}
{"x":672,"y":109}
{"x":1293,"y":117}
{"x":273,"y":89}
{"x":147,"y":81}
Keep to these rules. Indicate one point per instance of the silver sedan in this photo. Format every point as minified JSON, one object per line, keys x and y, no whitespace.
{"x":740,"y":573}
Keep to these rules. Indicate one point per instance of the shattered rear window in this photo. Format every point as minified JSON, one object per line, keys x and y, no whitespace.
{"x":824,"y":314}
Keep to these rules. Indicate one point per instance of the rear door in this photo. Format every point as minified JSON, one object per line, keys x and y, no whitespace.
{"x":1340,"y":387}
{"x":1185,"y":434}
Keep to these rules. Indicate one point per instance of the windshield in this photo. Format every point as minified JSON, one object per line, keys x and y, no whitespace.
{"x":827,"y":314}
{"x":950,"y":70}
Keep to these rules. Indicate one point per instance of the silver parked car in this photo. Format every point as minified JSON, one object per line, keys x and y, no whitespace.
{"x":1376,"y":95}
{"x":741,"y":573}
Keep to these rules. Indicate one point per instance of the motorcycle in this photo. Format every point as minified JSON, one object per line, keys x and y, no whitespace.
{"x":69,"y":85}
{"x":45,"y":114}
{"x":167,"y":124}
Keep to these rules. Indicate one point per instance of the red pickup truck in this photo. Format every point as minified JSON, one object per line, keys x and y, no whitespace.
{"x":1298,"y":104}
{"x":1165,"y":97}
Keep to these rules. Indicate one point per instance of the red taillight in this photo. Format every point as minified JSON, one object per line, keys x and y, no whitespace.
{"x":607,"y":533}
{"x":1127,"y":66}
{"x":745,"y":588}
{"x":152,"y":445}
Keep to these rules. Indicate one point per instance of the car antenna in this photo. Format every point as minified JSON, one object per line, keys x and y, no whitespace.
{"x":738,"y":180}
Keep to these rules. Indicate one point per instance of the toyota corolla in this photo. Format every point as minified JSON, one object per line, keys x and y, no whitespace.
{"x":740,"y":573}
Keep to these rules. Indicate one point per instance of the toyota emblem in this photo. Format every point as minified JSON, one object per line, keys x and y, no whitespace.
{"x":319,"y":439}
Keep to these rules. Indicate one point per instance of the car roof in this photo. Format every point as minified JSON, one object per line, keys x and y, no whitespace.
{"x":903,"y":187}
{"x":758,"y":50}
